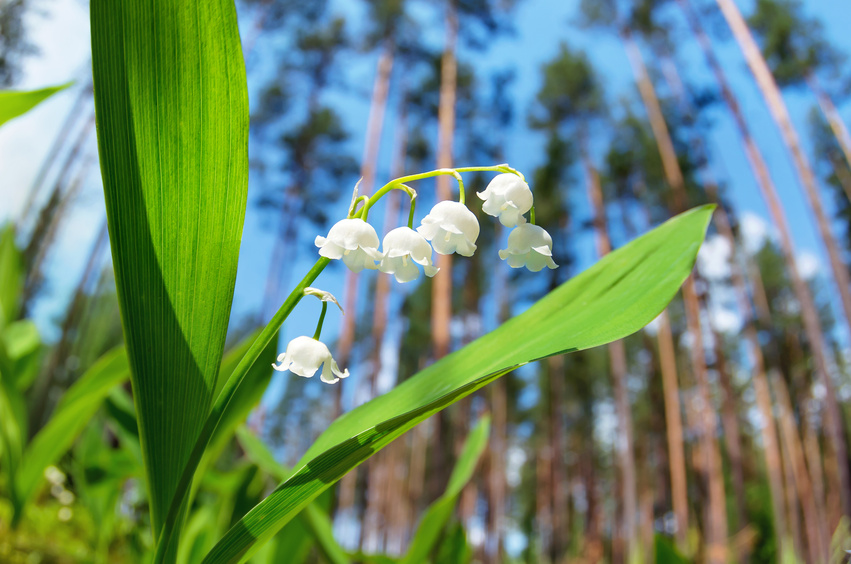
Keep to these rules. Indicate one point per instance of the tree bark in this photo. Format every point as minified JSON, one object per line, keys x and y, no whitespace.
{"x":441,"y":314}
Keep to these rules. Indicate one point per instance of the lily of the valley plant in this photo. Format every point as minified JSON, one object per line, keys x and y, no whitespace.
{"x":450,"y":227}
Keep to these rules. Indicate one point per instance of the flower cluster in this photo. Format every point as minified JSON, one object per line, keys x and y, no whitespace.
{"x":450,"y":227}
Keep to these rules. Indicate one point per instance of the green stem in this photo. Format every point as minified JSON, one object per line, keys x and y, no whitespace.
{"x":354,"y":211}
{"x":321,"y":320}
{"x":222,"y":401}
{"x":411,"y":212}
{"x":398,"y":183}
{"x":532,"y":215}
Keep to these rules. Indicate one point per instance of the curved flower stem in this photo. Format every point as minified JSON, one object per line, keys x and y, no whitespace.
{"x":532,"y":215}
{"x":354,"y":212}
{"x":456,"y":172}
{"x":222,"y":401}
{"x":411,"y":213}
{"x":321,"y":321}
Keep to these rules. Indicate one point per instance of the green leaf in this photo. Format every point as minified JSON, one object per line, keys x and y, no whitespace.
{"x":11,"y":276}
{"x":665,"y":552}
{"x":14,"y":103}
{"x":22,"y":344}
{"x":438,"y":513}
{"x":623,"y":292}
{"x":72,"y":414}
{"x":314,"y":519}
{"x":172,"y":114}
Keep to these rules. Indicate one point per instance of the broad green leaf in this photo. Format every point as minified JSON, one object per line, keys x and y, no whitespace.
{"x":172,"y":114}
{"x":455,"y":548}
{"x":665,"y":552}
{"x":14,"y":103}
{"x":438,"y":513}
{"x":623,"y":292}
{"x":11,"y":276}
{"x":313,"y":518}
{"x":73,"y":412}
{"x":22,"y":344}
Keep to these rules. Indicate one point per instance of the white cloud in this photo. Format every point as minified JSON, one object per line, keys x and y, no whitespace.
{"x":754,"y":230}
{"x":713,"y":260}
{"x":725,"y":321}
{"x":808,"y":264}
{"x":62,"y":36}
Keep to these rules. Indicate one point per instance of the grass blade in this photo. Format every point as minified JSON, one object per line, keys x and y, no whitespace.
{"x":14,"y":103}
{"x":75,"y":409}
{"x":438,"y":513}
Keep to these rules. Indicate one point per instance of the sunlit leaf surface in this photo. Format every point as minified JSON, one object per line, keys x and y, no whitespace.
{"x":172,"y":115}
{"x":14,"y":103}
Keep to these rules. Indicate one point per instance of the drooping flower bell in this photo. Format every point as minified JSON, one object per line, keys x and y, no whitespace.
{"x":530,"y":246}
{"x":305,"y":355}
{"x":403,"y":249}
{"x":451,"y":228}
{"x":353,"y":240}
{"x":507,"y":197}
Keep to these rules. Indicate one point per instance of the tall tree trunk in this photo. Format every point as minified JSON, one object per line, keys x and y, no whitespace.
{"x":793,"y":505}
{"x":497,"y":486}
{"x":674,"y":428}
{"x":730,"y":424}
{"x":559,"y":493}
{"x":441,"y":290}
{"x":837,"y":126}
{"x":817,"y":539}
{"x":843,"y":172}
{"x":810,"y":317}
{"x":624,"y":447}
{"x":716,"y":529}
{"x":441,"y":313}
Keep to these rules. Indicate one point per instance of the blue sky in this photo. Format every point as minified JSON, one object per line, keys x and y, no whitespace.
{"x":61,"y":31}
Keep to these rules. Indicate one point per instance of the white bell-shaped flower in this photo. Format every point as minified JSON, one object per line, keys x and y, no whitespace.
{"x":403,"y":249}
{"x":451,"y":228}
{"x":530,"y":246}
{"x":507,"y":197}
{"x":305,"y":355}
{"x":353,"y":240}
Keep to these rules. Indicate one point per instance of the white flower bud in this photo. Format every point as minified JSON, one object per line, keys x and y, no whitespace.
{"x":403,"y":249}
{"x":507,"y":197}
{"x":530,"y":246}
{"x":305,"y":355}
{"x":353,"y":240}
{"x":451,"y":228}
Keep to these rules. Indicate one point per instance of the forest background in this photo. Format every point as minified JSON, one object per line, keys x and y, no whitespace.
{"x":549,"y":88}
